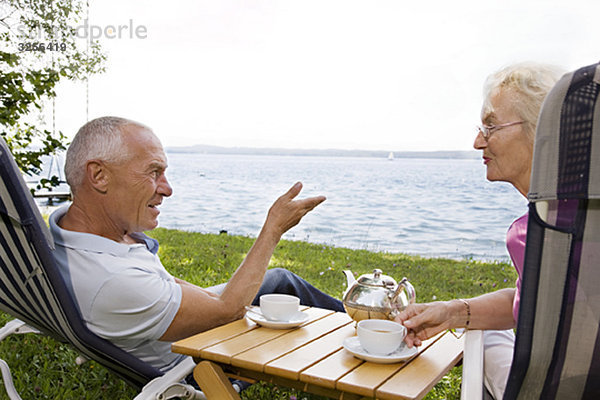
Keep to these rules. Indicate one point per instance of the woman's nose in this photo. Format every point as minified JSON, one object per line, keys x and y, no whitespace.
{"x":480,"y":142}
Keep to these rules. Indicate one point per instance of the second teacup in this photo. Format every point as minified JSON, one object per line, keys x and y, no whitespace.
{"x":279,"y":307}
{"x":379,"y":336}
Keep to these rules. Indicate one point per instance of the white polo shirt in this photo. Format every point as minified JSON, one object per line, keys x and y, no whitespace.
{"x":124,"y":293}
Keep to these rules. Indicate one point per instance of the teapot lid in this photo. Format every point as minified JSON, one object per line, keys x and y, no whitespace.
{"x":377,"y":279}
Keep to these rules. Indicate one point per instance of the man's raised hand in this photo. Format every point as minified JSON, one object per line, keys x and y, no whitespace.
{"x":286,"y":212}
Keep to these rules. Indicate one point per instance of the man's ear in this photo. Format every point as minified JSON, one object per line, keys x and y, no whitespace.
{"x":97,"y":175}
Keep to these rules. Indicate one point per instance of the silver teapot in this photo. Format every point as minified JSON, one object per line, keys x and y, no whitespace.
{"x":376,"y":296}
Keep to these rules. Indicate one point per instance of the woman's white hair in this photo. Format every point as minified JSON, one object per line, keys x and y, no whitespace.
{"x":99,"y":139}
{"x":529,"y":82}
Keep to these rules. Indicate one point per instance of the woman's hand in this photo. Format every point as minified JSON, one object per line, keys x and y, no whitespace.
{"x":489,"y":311}
{"x":424,"y":321}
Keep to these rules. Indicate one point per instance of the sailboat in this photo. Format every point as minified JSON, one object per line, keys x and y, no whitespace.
{"x":391,"y":156}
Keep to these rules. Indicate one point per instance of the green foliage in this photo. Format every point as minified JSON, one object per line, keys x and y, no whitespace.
{"x":45,"y":369}
{"x":28,"y":77}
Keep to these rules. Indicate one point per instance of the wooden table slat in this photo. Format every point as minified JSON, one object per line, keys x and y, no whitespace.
{"x":329,"y":370}
{"x":259,"y":356}
{"x":290,"y":365}
{"x":367,"y":377}
{"x":415,"y":381}
{"x":226,"y":349}
{"x":194,"y":344}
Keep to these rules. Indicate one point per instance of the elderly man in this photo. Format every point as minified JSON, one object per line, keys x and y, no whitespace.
{"x":116,"y":170}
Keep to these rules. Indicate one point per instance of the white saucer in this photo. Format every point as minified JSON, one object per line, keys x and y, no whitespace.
{"x":298,"y":319}
{"x":402,"y":353}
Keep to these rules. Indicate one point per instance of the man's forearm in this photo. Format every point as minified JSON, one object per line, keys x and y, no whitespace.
{"x":245,"y":282}
{"x":201,"y":310}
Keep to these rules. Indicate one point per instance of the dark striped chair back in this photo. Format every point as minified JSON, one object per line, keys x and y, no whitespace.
{"x":31,"y":288}
{"x":557,"y":351}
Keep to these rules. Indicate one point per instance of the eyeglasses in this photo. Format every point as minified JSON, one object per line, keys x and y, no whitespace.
{"x":487,"y":130}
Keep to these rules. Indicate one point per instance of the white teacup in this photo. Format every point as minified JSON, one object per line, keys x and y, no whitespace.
{"x":379,"y":336}
{"x":279,"y":307}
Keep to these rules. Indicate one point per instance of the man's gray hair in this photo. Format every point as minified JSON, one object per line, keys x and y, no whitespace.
{"x":530,"y":82}
{"x":99,"y":139}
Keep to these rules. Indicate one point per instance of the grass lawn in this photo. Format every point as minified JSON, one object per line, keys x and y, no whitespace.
{"x":45,"y":369}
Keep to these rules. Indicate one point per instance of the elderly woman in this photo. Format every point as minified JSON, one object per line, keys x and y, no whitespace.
{"x":513,"y":98}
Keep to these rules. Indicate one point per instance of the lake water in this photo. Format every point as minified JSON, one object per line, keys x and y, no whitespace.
{"x":429,"y":207}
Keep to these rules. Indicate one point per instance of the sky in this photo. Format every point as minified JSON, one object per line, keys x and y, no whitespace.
{"x":314,"y":74}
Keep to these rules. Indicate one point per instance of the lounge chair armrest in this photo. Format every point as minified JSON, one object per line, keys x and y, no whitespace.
{"x":15,"y":326}
{"x":161,"y":385}
{"x":472,"y":375}
{"x":8,"y":381}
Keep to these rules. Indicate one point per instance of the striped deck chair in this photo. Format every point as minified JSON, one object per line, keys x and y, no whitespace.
{"x":557,"y":349}
{"x":33,"y":291}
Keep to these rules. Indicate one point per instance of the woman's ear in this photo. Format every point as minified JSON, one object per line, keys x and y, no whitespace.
{"x":97,"y":175}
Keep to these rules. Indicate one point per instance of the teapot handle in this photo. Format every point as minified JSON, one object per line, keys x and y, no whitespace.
{"x":411,"y":295}
{"x":410,"y":290}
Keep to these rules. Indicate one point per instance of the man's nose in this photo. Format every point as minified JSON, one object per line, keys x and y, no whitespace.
{"x":164,"y":188}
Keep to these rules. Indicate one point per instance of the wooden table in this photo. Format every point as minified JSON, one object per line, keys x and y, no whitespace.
{"x":311,"y":358}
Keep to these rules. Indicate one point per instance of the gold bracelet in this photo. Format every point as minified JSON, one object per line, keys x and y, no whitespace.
{"x":466,"y":303}
{"x":468,"y":307}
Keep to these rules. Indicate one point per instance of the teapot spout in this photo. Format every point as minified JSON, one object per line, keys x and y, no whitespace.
{"x":350,"y":280}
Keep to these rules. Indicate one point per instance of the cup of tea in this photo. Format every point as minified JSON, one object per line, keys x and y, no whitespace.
{"x":379,"y":336}
{"x":279,"y":307}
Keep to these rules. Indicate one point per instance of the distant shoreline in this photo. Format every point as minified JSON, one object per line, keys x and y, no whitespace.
{"x":205,"y":149}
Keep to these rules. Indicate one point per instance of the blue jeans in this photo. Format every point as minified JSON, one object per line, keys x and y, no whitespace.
{"x":279,"y":280}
